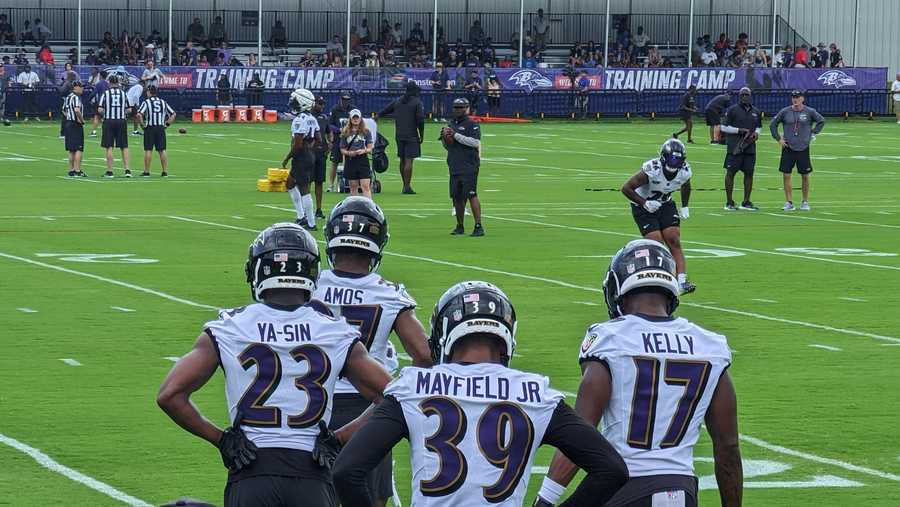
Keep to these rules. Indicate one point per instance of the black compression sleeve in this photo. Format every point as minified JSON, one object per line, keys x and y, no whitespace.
{"x":365,"y":450}
{"x":586,"y":447}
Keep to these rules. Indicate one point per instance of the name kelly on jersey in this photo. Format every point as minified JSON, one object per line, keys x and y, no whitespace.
{"x":437,"y":383}
{"x":662,"y":343}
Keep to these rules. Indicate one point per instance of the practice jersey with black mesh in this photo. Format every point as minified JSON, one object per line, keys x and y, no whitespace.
{"x":70,"y":104}
{"x":664,"y":372}
{"x":370,"y":302}
{"x":114,"y":103}
{"x":306,"y":125}
{"x":280,"y":369}
{"x":473,"y":431}
{"x":658,"y":186}
{"x":155,"y":112}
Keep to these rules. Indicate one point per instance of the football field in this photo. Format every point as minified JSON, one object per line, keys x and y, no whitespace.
{"x":106,"y":282}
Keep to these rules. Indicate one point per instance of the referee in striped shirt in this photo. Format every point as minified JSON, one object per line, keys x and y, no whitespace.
{"x":113,"y":107}
{"x":154,"y":115}
{"x":73,"y":129}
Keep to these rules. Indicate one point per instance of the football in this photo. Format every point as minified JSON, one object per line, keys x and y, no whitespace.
{"x":447,"y":135}
{"x":182,"y":130}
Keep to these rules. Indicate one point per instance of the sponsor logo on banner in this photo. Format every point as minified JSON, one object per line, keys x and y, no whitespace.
{"x":562,"y":82}
{"x":836,"y":79}
{"x":530,"y":79}
{"x":177,"y":80}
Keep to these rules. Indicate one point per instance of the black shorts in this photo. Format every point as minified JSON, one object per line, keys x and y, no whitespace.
{"x":347,"y":407}
{"x":790,"y":158}
{"x":639,"y":491}
{"x":666,"y":216}
{"x":283,"y":477}
{"x":713,"y":118}
{"x":684,"y":115}
{"x":115,"y":134}
{"x":74,"y":133}
{"x":302,"y":167}
{"x":336,"y":156}
{"x":745,"y":162}
{"x":409,"y":149}
{"x":155,"y":138}
{"x":463,"y":186}
{"x":318,"y":174}
{"x":357,"y":168}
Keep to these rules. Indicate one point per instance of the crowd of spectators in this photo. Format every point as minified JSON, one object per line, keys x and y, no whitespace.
{"x":725,"y":53}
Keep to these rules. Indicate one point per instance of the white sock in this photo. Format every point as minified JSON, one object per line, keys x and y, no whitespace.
{"x":298,"y":202}
{"x":308,"y":208}
{"x":682,"y":277}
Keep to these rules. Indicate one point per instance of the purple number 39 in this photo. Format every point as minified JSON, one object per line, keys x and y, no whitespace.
{"x":692,"y":375}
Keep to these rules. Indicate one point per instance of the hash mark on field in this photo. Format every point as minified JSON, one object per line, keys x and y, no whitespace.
{"x":416,"y":216}
{"x":885,"y":212}
{"x":237,"y":217}
{"x":112,"y":218}
{"x":825,"y":347}
{"x":26,"y":310}
{"x":761,"y":300}
{"x":71,"y":362}
{"x":49,"y":219}
{"x":122,"y":309}
{"x":588,"y":303}
{"x":890,"y":344}
{"x":827,"y":213}
{"x":174,"y":359}
{"x":716,"y":214}
{"x":856,"y":300}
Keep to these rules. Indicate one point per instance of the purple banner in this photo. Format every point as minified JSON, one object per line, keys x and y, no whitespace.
{"x":528,"y":80}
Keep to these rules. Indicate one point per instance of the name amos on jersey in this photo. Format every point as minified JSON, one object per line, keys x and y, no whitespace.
{"x":343,"y":296}
{"x":288,"y":333}
{"x":437,"y":383}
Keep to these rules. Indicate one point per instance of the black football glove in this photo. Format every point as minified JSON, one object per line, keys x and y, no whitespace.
{"x":540,"y":502}
{"x":236,"y":449}
{"x":327,"y":447}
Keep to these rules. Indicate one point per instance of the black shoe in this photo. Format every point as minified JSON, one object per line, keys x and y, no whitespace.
{"x":127,"y":173}
{"x":164,"y":174}
{"x":408,"y":191}
{"x":72,"y":174}
{"x":748,"y":206}
{"x":690,"y":141}
{"x":145,"y":174}
{"x":478,"y":231}
{"x":674,"y":135}
{"x":7,"y":123}
{"x":319,"y":214}
{"x":458,"y":231}
{"x":301,"y":222}
{"x":729,"y":206}
{"x":81,"y":174}
{"x":109,"y":174}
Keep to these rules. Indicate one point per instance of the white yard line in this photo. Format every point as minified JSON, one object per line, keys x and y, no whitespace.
{"x":54,"y":466}
{"x":174,"y":359}
{"x":586,"y":303}
{"x":71,"y":362}
{"x":855,"y":300}
{"x":825,"y":347}
{"x":713,"y":245}
{"x":27,"y":310}
{"x":109,"y":280}
{"x":123,"y":309}
{"x":761,"y":300}
{"x":851,"y":222}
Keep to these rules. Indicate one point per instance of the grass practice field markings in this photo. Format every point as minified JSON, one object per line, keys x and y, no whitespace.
{"x":71,"y":362}
{"x":72,"y":474}
{"x":174,"y":359}
{"x":123,"y":309}
{"x":27,"y":310}
{"x":825,"y":347}
{"x":761,"y":300}
{"x":855,"y":300}
{"x":835,"y":220}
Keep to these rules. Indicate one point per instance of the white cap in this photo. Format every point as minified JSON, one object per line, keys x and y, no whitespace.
{"x":355,"y":112}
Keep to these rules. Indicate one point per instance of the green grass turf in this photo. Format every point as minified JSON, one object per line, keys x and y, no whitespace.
{"x":542,"y":225}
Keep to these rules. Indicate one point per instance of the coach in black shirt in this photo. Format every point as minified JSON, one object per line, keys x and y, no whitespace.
{"x":409,"y":126}
{"x":339,"y":115}
{"x":713,"y":111}
{"x":742,"y":123}
{"x":462,"y":140}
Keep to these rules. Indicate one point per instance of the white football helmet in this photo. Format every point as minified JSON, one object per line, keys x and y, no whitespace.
{"x":302,"y":100}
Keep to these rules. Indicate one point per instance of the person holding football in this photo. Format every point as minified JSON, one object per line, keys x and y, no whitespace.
{"x":650,"y":192}
{"x":462,"y":140}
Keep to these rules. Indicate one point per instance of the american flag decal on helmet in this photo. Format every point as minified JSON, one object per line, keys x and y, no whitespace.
{"x":280,"y":257}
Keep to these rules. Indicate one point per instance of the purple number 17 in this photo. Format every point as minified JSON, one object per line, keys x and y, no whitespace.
{"x":692,"y":375}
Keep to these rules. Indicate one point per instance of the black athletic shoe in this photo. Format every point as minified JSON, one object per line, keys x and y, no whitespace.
{"x":674,"y":135}
{"x":7,"y":123}
{"x":72,"y":174}
{"x":81,"y":174}
{"x":458,"y":231}
{"x":478,"y":231}
{"x":145,"y":174}
{"x":690,"y":141}
{"x":408,"y":191}
{"x":319,"y":214}
{"x":748,"y":206}
{"x":109,"y":174}
{"x":301,"y":222}
{"x":687,"y":287}
{"x":164,"y":174}
{"x":127,"y":173}
{"x":729,"y":206}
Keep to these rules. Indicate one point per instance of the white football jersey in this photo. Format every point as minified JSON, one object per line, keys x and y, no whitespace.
{"x":473,"y":431}
{"x":659,"y":187}
{"x":305,"y":124}
{"x":664,"y":373}
{"x":370,"y":302}
{"x":280,"y":369}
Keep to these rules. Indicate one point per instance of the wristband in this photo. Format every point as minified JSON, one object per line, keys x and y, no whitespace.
{"x":551,"y":491}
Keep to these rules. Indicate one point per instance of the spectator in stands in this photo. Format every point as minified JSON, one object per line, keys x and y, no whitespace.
{"x":91,"y":58}
{"x":641,"y":42}
{"x":397,"y":35}
{"x":529,"y":62}
{"x":7,"y":33}
{"x":824,"y":57}
{"x":473,"y":59}
{"x":26,"y":33}
{"x":787,"y":57}
{"x":189,"y":54}
{"x":743,"y":41}
{"x":40,"y":33}
{"x":389,"y":59}
{"x":278,"y":35}
{"x":778,"y":57}
{"x":760,"y":57}
{"x":337,"y":61}
{"x":21,"y":57}
{"x":801,"y":57}
{"x":252,"y":60}
{"x":45,"y":56}
{"x":124,"y":44}
{"x":196,"y":32}
{"x":541,"y":30}
{"x":354,"y":40}
{"x":709,"y":57}
{"x":308,"y":59}
{"x":364,"y":36}
{"x":234,"y":62}
{"x":154,"y":38}
{"x":335,"y":46}
{"x":203,"y":62}
{"x":217,"y":34}
{"x":28,"y":80}
{"x":223,"y":52}
{"x":722,"y":44}
{"x":104,"y":57}
{"x":506,"y":63}
{"x":137,"y":45}
{"x":255,"y":90}
{"x":72,"y":58}
{"x":476,"y":33}
{"x":5,"y":60}
{"x":372,"y":59}
{"x":836,"y":59}
{"x":514,"y":41}
{"x":5,"y":82}
{"x":654,"y":58}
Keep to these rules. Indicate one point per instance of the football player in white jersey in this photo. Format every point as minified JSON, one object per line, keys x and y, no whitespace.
{"x":655,"y":378}
{"x":305,"y":137}
{"x":650,"y":192}
{"x":473,"y":423}
{"x":281,"y":358}
{"x":356,"y":234}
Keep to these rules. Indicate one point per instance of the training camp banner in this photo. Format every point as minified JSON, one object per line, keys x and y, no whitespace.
{"x":528,"y":80}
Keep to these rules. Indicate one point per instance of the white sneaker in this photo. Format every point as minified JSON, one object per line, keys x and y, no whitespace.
{"x":788,"y":206}
{"x":804,"y":206}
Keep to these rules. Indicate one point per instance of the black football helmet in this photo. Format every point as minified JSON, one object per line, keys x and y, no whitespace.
{"x":283,"y":256}
{"x":640,"y":263}
{"x":471,"y":308}
{"x":357,"y":222}
{"x":672,"y":155}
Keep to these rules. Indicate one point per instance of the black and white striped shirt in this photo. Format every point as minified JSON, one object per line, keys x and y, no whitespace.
{"x":114,"y":103}
{"x":70,"y":104}
{"x":155,"y":111}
